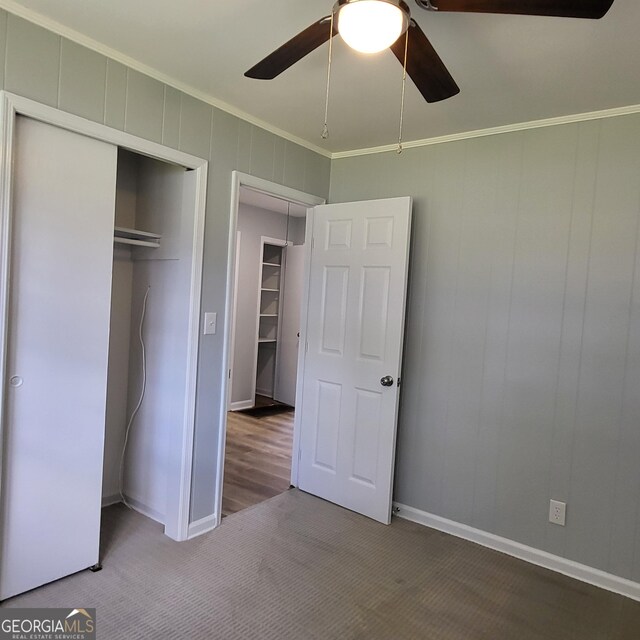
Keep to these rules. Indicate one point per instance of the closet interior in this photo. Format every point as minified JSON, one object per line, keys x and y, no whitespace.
{"x":148,"y":330}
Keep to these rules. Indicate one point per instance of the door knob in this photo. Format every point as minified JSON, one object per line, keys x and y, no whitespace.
{"x":387,"y":381}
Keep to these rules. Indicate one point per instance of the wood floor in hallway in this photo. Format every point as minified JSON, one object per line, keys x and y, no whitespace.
{"x":257,"y":462}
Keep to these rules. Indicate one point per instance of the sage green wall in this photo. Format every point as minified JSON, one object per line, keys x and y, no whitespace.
{"x":41,"y":65}
{"x":522,"y":367}
{"x":521,"y":380}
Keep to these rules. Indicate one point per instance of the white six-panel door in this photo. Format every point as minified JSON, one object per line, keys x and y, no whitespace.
{"x":58,"y":335}
{"x":354,"y":338}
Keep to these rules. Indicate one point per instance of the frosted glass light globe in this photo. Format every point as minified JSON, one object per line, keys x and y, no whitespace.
{"x":370,"y":26}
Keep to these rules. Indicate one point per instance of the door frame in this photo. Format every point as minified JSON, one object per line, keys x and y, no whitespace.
{"x":179,"y":470}
{"x":238,"y":180}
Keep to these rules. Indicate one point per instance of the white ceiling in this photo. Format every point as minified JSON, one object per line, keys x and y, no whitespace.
{"x":510,"y":69}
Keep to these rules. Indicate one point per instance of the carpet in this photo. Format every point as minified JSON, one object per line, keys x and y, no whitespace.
{"x":297,"y":567}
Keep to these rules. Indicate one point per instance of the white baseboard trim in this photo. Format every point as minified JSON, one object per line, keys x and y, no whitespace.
{"x":107,"y":501}
{"x":198,"y":527}
{"x":138,"y":506}
{"x":240,"y":405}
{"x":569,"y":568}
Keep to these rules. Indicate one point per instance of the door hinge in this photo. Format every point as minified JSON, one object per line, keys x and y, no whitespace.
{"x":398,"y":381}
{"x":229,"y":374}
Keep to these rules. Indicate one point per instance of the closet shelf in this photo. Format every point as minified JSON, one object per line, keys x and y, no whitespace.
{"x":268,"y":289}
{"x":122,"y":235}
{"x":271,"y":264}
{"x":265,"y":340}
{"x":268,"y":315}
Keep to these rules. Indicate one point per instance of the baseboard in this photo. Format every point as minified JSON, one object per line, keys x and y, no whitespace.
{"x":569,"y":568}
{"x":240,"y":405}
{"x":107,"y":501}
{"x":136,"y":505}
{"x":145,"y":510}
{"x":198,"y":527}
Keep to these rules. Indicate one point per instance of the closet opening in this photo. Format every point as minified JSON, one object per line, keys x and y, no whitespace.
{"x":149,"y":332}
{"x":265,"y":337}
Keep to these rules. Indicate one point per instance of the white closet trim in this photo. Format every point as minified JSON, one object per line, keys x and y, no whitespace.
{"x":179,"y":471}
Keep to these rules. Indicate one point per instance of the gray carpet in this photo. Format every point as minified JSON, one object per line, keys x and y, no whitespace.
{"x":296,"y":567}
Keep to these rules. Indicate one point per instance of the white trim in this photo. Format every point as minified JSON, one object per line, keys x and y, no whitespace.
{"x":493,"y":131}
{"x":75,"y":36}
{"x":177,"y":520}
{"x":138,"y":506}
{"x":178,"y":527}
{"x":234,"y":313}
{"x":108,"y":501}
{"x":302,"y":348}
{"x":198,"y":527}
{"x":7,"y":134}
{"x":240,"y":405}
{"x":14,"y":104}
{"x":239,"y":179}
{"x":540,"y":558}
{"x":79,"y":38}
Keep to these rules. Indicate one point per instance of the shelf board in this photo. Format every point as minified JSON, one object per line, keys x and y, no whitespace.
{"x":271,"y":264}
{"x":136,"y":234}
{"x":268,"y":289}
{"x":268,"y":315}
{"x":266,"y":340}
{"x":135,"y":237}
{"x":137,"y":243}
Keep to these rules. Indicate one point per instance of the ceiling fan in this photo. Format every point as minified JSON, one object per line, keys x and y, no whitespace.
{"x":374,"y":25}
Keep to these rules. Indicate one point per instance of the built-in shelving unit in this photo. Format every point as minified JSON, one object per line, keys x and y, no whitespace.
{"x":123,"y":235}
{"x":270,"y":281}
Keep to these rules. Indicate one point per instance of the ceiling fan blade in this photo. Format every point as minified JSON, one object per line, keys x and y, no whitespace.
{"x":560,"y":8}
{"x":295,"y":49}
{"x":424,"y":66}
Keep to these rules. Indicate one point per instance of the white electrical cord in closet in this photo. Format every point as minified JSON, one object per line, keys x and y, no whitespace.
{"x":142,"y":392}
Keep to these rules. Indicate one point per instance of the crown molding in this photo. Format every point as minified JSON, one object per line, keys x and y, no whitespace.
{"x":493,"y":131}
{"x":75,"y":36}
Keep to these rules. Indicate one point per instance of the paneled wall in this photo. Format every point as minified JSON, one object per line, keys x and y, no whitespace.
{"x":522,"y":361}
{"x":41,"y":65}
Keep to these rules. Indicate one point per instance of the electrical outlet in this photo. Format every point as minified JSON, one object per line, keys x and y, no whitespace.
{"x":557,"y":512}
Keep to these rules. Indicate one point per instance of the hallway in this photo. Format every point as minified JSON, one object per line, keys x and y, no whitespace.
{"x":257,"y":458}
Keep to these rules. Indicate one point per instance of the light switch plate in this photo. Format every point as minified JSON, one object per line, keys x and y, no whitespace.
{"x":210,"y":320}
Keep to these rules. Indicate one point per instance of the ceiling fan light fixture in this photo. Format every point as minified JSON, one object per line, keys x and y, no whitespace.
{"x":370,"y":26}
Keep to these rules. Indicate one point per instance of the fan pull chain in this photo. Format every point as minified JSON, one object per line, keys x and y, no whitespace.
{"x":404,"y":84}
{"x":325,"y":128}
